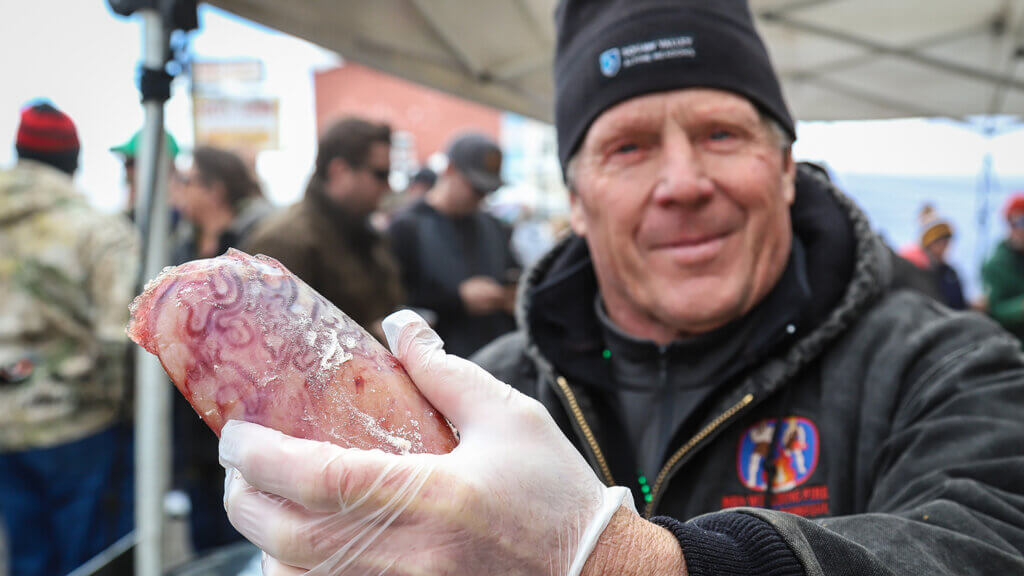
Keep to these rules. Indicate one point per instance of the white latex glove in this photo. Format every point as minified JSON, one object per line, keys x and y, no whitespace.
{"x":514,"y":497}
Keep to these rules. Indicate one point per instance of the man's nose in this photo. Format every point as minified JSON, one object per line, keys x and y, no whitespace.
{"x":682,"y":174}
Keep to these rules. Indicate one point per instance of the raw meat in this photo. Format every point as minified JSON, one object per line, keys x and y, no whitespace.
{"x":243,"y":338}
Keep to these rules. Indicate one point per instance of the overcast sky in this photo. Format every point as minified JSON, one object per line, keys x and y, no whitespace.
{"x":87,"y":65}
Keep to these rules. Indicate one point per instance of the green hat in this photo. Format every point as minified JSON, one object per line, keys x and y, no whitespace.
{"x":129,"y":148}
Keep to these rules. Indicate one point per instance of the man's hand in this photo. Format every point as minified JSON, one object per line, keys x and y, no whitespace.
{"x":482,"y":295}
{"x":514,"y":497}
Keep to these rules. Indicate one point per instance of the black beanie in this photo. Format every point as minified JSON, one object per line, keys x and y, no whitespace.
{"x":612,"y":50}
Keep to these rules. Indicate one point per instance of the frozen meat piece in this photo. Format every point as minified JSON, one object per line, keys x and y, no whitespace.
{"x":243,"y":338}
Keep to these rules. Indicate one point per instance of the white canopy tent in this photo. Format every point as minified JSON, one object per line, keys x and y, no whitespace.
{"x":839,"y":59}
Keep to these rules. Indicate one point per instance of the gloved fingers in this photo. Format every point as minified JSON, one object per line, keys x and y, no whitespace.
{"x":297,"y":537}
{"x":280,"y":464}
{"x":318,"y":475}
{"x":455,"y":386}
{"x":273,"y":567}
{"x":278,"y":527}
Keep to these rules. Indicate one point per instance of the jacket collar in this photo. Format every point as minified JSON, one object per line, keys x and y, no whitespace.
{"x":717,"y":356}
{"x":329,"y":217}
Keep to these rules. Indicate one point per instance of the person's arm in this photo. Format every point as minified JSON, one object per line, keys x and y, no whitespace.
{"x":112,"y":259}
{"x":514,"y":497}
{"x":945,"y":491}
{"x":1005,"y":294}
{"x":958,"y":300}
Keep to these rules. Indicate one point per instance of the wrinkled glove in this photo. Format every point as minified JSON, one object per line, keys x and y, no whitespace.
{"x":514,"y":497}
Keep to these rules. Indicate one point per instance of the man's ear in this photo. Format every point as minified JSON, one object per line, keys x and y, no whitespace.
{"x":788,"y":176}
{"x":577,"y":218}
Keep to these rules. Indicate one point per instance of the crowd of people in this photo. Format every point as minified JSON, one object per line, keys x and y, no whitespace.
{"x":720,"y":369}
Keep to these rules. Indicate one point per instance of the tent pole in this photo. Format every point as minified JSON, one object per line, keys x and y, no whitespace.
{"x":152,"y":394}
{"x":983,"y":200}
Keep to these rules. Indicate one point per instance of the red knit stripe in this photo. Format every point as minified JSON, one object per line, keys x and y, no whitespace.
{"x":46,"y":141}
{"x":46,"y":130}
{"x":47,"y":121}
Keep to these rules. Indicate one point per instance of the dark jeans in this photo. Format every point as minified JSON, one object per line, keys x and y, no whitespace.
{"x":65,"y":504}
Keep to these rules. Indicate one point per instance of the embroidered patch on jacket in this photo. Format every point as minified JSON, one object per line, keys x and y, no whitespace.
{"x":795,"y":456}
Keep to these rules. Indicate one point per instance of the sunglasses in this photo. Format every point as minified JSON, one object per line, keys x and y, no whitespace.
{"x":1017,"y":222}
{"x":381,"y":174}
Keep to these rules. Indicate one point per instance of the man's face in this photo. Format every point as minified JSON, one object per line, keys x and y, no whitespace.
{"x":194,"y":197}
{"x":129,"y":178}
{"x":938,"y":248}
{"x":360,"y":189}
{"x":466,"y":198}
{"x":684,"y":199}
{"x":1016,"y":221}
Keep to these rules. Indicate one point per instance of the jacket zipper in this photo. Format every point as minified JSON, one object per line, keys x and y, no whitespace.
{"x":686,"y":448}
{"x":588,"y":434}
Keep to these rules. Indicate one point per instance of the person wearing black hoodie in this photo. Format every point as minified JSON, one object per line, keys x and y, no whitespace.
{"x":721,"y":335}
{"x":722,"y":330}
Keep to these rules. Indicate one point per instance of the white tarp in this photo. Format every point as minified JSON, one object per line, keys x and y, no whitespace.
{"x":838,"y":59}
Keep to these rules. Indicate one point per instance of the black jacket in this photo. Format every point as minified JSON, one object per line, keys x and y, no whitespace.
{"x":901,"y":449}
{"x":436,"y":253}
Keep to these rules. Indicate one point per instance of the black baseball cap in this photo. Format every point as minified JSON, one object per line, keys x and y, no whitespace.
{"x":478,"y":158}
{"x":424,"y":176}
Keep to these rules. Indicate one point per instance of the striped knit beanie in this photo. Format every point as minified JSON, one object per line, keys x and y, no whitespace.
{"x":48,"y":135}
{"x":932,"y":226}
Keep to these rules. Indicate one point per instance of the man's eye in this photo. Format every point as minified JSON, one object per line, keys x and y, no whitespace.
{"x":719,"y":135}
{"x":626,"y":148}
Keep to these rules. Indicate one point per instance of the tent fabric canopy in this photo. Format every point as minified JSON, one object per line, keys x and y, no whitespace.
{"x":838,"y":59}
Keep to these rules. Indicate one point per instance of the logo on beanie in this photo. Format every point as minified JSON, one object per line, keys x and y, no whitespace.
{"x":647,"y":52}
{"x":611,"y":61}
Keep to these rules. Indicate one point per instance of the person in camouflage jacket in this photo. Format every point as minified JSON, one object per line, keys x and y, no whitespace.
{"x":67,"y":276}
